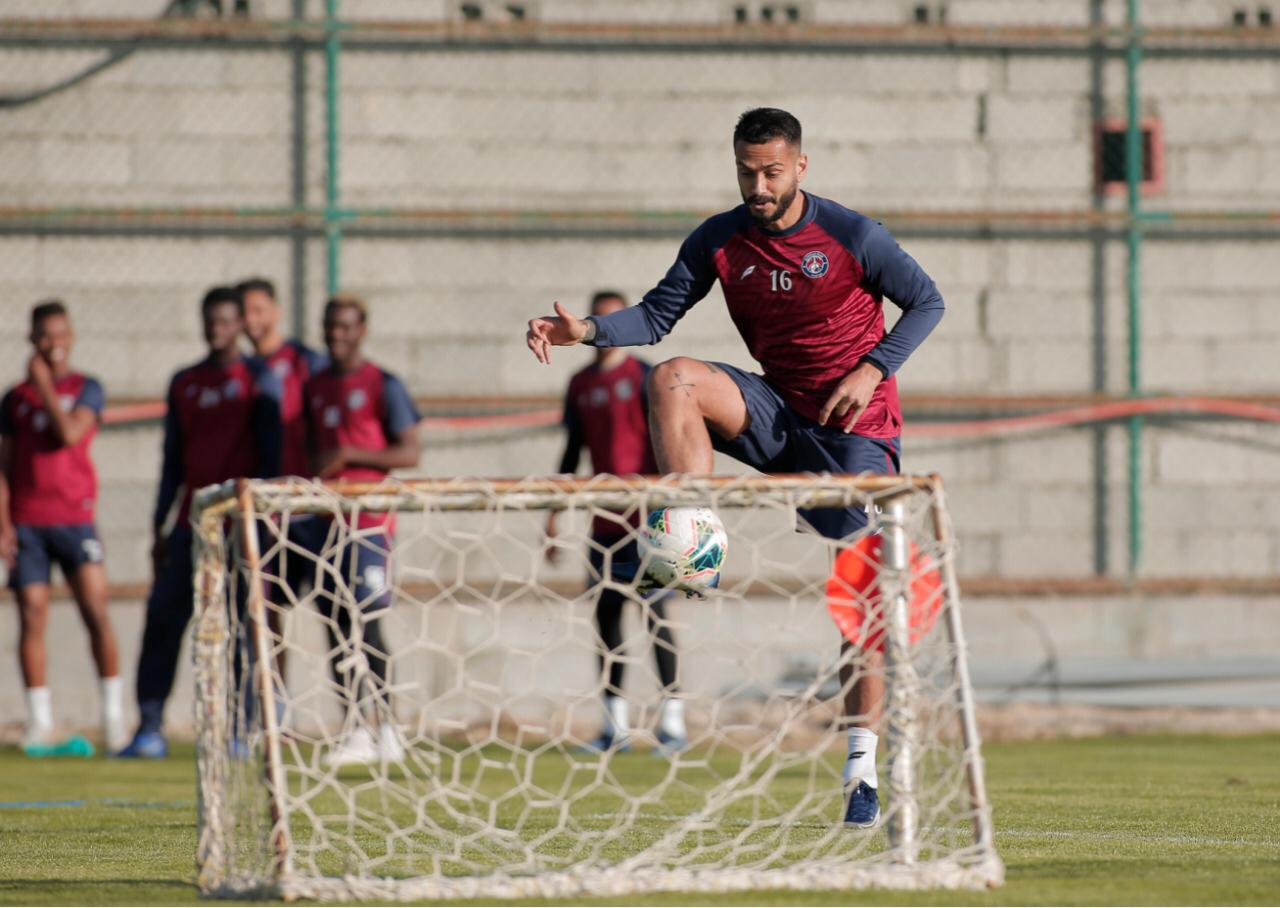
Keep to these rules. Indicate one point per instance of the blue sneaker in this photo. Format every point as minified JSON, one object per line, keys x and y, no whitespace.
{"x":148,"y":745}
{"x":862,"y":806}
{"x":670,"y":745}
{"x":603,"y":744}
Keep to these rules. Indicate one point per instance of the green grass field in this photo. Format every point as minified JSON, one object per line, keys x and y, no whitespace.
{"x":1136,"y":820}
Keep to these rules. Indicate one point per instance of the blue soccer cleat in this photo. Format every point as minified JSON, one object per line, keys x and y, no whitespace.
{"x":147,"y":745}
{"x":861,"y":806}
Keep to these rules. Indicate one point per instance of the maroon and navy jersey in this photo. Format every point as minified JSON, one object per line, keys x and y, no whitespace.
{"x":50,"y":484}
{"x":365,"y":408}
{"x":807,"y":300}
{"x":222,"y":422}
{"x":293,"y":365}
{"x":606,"y":411}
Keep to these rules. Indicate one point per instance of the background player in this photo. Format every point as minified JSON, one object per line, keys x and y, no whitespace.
{"x":362,"y":425}
{"x":292,"y":363}
{"x":605,"y":409}
{"x":803,"y":278}
{"x":222,"y":422}
{"x":48,"y":492}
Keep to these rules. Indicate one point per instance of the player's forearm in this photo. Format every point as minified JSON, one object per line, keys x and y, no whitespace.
{"x":912,"y":328}
{"x":6,"y":520}
{"x":401,"y":455}
{"x":65,"y":427}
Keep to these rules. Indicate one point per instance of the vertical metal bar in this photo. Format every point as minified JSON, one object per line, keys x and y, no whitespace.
{"x":298,"y":237}
{"x":332,"y":216}
{"x":1098,"y":243}
{"x":1133,"y":180}
{"x":210,"y":645}
{"x":983,"y":829}
{"x":901,"y":687}
{"x":280,"y":837}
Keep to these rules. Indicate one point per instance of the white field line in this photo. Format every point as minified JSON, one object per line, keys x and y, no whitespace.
{"x":1000,"y":833}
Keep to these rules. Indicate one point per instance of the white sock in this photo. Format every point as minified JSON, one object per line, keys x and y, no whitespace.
{"x":615,"y":717}
{"x":861,"y":763}
{"x":671,"y":720}
{"x":40,"y":707}
{"x":112,"y":693}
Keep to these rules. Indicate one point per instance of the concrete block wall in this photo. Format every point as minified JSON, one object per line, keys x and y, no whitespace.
{"x":465,"y":128}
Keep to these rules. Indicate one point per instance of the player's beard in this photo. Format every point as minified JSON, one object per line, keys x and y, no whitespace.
{"x":783,"y":206}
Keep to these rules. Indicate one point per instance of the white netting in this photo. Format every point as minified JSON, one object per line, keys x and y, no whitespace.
{"x":479,"y":783}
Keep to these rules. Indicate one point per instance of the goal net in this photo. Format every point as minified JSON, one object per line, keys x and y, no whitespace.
{"x":399,"y":694}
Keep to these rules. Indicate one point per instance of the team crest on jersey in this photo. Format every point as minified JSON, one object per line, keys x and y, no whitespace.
{"x":281,"y":368}
{"x":356,"y":399}
{"x":623,"y":389}
{"x":231,"y":390}
{"x":814,"y":264}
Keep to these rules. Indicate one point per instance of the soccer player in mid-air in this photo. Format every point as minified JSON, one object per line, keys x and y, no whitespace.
{"x":605,"y":410}
{"x":48,"y":490}
{"x":222,"y":422}
{"x":803,"y":278}
{"x":362,"y":424}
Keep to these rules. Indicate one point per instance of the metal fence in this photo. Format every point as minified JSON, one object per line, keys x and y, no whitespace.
{"x":1093,"y":183}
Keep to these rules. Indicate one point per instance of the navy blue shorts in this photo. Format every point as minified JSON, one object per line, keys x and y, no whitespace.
{"x":780,"y":440}
{"x":363,"y":563}
{"x":39,"y":547}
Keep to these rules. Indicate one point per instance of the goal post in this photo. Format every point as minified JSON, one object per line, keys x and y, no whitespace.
{"x":396,"y":692}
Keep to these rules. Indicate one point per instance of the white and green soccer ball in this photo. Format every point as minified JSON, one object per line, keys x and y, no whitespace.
{"x":683,"y":549}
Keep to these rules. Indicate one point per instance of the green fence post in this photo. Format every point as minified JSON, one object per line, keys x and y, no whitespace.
{"x":332,"y":216}
{"x":1133,"y":179}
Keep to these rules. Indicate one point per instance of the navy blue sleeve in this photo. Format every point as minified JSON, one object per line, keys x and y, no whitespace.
{"x":315,"y":360}
{"x":400,"y":415}
{"x":575,"y":439}
{"x":888,"y":272}
{"x":645,"y":369}
{"x":171,"y":469}
{"x":91,"y":396}
{"x":686,"y":282}
{"x":6,"y":421}
{"x":268,"y":423}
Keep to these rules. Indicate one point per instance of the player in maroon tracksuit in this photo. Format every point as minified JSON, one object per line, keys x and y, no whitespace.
{"x":48,"y":492}
{"x":606,"y":411}
{"x":292,"y":363}
{"x":222,"y":421}
{"x":362,"y":424}
{"x":804,"y":279}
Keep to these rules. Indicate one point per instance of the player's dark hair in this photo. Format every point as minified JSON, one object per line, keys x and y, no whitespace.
{"x":764,"y":124}
{"x":601,"y":295}
{"x":348,"y":301}
{"x":220,"y":295}
{"x":46,"y":309}
{"x":256,"y":285}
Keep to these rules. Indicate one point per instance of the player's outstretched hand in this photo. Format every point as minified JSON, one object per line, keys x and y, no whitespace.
{"x":851,"y":397}
{"x":559,"y":330}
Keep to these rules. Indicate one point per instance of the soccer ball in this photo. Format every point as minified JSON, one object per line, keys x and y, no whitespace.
{"x":683,"y":549}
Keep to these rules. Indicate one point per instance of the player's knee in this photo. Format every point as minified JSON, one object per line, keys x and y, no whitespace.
{"x":672,"y":380}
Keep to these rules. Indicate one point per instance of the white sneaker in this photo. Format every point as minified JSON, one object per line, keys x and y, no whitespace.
{"x":390,"y":747}
{"x":115,"y":734}
{"x":356,"y":748}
